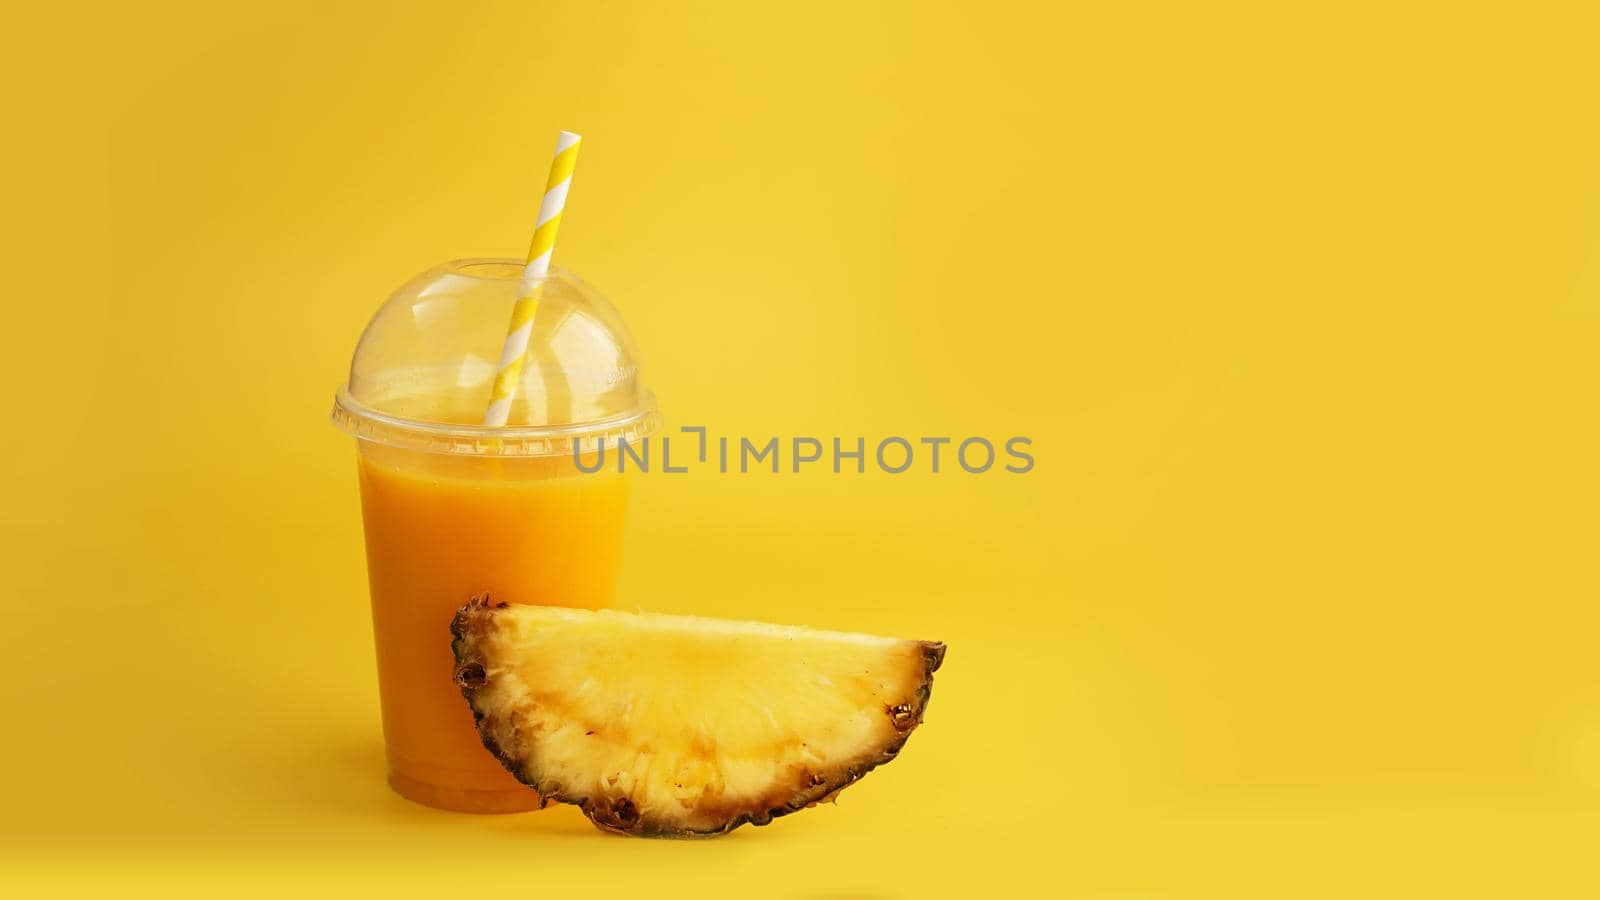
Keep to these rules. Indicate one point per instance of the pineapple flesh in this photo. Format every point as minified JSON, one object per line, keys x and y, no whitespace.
{"x":682,"y":726}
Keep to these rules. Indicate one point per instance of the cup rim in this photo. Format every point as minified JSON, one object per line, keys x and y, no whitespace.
{"x":368,"y":424}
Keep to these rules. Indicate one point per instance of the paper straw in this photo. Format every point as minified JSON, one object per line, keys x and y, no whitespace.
{"x":538,"y":266}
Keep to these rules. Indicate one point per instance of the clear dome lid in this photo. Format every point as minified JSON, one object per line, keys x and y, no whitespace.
{"x":423,"y":370}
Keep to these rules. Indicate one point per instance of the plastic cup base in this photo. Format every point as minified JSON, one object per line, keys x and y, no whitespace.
{"x":467,"y":801}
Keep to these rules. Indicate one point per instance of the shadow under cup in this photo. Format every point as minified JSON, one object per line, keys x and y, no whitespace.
{"x":453,"y":509}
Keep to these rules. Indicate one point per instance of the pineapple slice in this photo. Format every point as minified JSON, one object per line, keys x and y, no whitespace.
{"x":683,"y":726}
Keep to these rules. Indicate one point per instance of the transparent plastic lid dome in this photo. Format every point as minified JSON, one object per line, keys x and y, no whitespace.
{"x":423,"y":370}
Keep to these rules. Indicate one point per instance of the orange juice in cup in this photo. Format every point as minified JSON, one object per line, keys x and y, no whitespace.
{"x":454,"y":508}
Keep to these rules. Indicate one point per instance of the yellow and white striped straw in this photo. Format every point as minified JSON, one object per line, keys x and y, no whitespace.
{"x":544,"y":243}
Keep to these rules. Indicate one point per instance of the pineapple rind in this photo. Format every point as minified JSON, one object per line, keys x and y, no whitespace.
{"x":536,"y":733}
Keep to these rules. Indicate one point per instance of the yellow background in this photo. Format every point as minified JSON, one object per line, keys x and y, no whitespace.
{"x":1298,"y":304}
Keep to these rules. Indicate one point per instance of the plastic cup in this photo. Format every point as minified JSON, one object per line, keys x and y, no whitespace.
{"x":453,"y":509}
